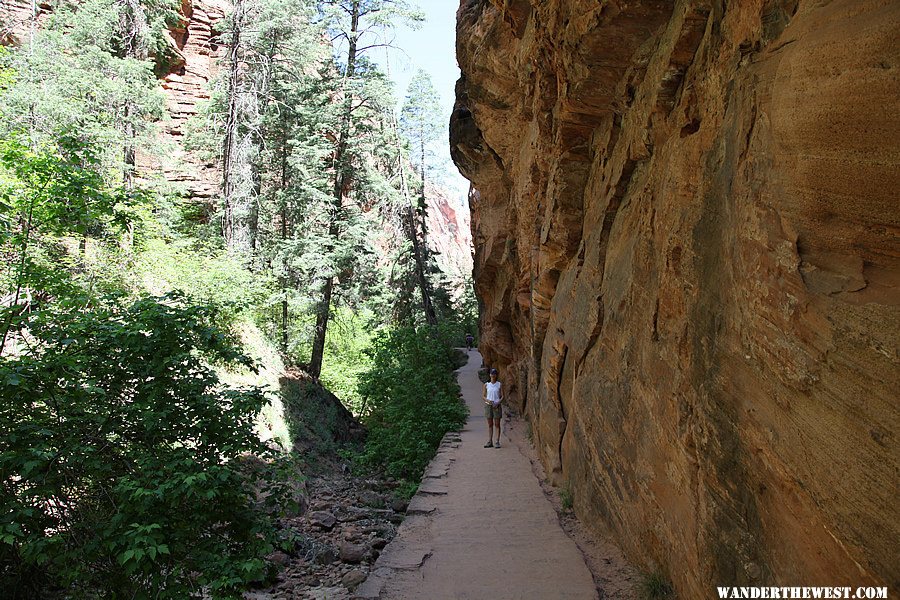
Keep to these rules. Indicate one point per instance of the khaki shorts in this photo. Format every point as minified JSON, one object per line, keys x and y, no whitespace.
{"x":493,"y":412}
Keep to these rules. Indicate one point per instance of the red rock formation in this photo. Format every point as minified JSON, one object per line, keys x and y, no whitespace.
{"x":686,"y":233}
{"x":449,"y":235}
{"x":16,"y":19}
{"x":186,"y":85}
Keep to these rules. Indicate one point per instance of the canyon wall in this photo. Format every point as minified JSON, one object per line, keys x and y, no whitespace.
{"x":197,"y":50}
{"x":449,"y":236}
{"x":686,"y":227}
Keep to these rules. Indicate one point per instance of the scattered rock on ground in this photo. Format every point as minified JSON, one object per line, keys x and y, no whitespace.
{"x":332,"y":548}
{"x":378,"y":543}
{"x":352,"y":553}
{"x":326,"y":556}
{"x":327,"y":593}
{"x":370,"y":498}
{"x":353,"y":578}
{"x":322,"y":520}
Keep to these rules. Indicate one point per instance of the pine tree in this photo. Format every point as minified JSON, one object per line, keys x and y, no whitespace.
{"x":421,"y":125}
{"x":355,"y":23}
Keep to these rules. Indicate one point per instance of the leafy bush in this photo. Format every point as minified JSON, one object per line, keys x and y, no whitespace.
{"x":655,"y":586}
{"x":347,"y":357}
{"x":46,"y":196}
{"x":119,"y":466}
{"x":207,"y":276}
{"x":410,"y":399}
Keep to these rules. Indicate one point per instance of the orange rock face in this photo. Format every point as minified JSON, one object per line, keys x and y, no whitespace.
{"x":449,"y":235}
{"x":197,"y":50}
{"x":686,"y":230}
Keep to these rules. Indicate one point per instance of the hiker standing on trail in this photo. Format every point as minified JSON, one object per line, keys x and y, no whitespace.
{"x":492,"y":394}
{"x":469,"y":341}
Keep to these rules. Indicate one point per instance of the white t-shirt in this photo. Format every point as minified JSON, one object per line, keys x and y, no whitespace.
{"x":493,"y":392}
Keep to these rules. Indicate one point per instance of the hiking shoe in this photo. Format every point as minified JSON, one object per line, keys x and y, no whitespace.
{"x":497,"y":444}
{"x":488,"y":445}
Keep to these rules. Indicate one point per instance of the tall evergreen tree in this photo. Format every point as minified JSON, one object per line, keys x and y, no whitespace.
{"x":420,"y":123}
{"x":357,"y":26}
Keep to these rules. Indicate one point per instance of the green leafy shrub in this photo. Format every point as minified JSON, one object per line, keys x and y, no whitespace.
{"x":346,"y":357}
{"x":51,"y":197}
{"x":206,"y":275}
{"x":120,"y":461}
{"x":410,"y":399}
{"x":407,"y":489}
{"x":565,"y":497}
{"x":655,"y":586}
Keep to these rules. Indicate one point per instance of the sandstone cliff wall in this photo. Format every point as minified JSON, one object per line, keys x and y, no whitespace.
{"x":16,"y":19}
{"x":449,"y":236}
{"x":186,"y":84}
{"x":686,"y":228}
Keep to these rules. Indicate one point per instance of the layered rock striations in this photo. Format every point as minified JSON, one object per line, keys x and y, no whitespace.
{"x":686,"y":228}
{"x":20,"y":18}
{"x":196,"y":51}
{"x":449,"y":236}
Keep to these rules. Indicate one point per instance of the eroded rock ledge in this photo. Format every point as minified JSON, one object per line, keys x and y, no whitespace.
{"x":685,"y":218}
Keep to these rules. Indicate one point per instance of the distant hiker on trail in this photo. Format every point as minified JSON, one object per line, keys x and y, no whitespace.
{"x":492,"y":394}
{"x":469,"y":341}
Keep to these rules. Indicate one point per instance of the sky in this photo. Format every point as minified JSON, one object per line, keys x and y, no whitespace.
{"x":432,"y":48}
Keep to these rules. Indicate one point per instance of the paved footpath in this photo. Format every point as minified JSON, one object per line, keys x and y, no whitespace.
{"x":479,"y":528}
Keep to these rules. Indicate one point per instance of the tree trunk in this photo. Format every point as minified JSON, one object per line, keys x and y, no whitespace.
{"x":423,"y":205}
{"x":322,"y":316}
{"x":341,"y":179}
{"x":228,"y":220}
{"x":134,"y":25}
{"x":259,"y":140}
{"x":284,"y":235}
{"x":421,"y":272}
{"x":253,"y":215}
{"x":420,"y":249}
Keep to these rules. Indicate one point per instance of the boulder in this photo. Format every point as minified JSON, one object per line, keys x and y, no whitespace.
{"x":352,"y":579}
{"x":322,"y":519}
{"x":352,"y":553}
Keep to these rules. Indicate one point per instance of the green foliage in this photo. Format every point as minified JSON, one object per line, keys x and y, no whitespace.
{"x":125,"y":469}
{"x":407,"y":489}
{"x":347,"y":358}
{"x":47,"y":196}
{"x":421,"y":121}
{"x":57,"y":190}
{"x":655,"y":586}
{"x":410,"y":400}
{"x":120,"y":469}
{"x":565,"y":497}
{"x":207,"y":276}
{"x":66,"y":82}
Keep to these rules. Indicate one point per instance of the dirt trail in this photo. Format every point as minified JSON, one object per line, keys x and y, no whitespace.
{"x":480,"y":527}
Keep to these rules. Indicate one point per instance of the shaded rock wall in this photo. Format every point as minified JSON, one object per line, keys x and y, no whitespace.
{"x":686,"y":231}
